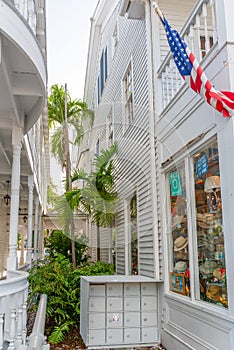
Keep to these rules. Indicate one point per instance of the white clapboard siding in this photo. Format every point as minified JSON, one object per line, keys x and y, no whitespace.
{"x":133,"y":158}
{"x":105,"y":244}
{"x":93,"y":241}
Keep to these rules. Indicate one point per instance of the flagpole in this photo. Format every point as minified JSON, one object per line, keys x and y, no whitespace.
{"x":158,"y":11}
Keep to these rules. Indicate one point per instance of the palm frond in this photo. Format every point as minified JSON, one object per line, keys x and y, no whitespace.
{"x":102,"y":160}
{"x":64,"y":212}
{"x":79,"y":175}
{"x":56,"y":141}
{"x":56,"y":105}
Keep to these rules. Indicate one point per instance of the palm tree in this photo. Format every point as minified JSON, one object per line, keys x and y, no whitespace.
{"x":65,"y":113}
{"x":98,"y":197}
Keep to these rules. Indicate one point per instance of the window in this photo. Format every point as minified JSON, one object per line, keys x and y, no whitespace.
{"x":128,"y":88}
{"x":97,"y":147}
{"x":206,"y":228}
{"x":114,"y":40}
{"x":110,"y":135}
{"x":210,"y":253}
{"x":178,"y":243}
{"x":103,"y":73}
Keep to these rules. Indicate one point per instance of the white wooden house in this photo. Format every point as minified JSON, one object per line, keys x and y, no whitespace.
{"x":174,"y":162}
{"x":24,"y":157}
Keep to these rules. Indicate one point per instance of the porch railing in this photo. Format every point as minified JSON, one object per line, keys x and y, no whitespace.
{"x":27,"y":8}
{"x":13,"y":310}
{"x":200,"y":33}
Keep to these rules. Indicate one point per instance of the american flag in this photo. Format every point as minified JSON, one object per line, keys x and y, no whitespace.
{"x":192,"y":73}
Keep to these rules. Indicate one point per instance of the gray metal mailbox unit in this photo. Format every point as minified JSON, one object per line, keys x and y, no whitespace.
{"x":119,"y":311}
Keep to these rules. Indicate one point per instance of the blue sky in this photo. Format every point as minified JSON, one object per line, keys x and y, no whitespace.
{"x":68,"y":27}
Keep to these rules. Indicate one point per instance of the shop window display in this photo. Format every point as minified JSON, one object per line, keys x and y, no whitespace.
{"x":211,"y":269}
{"x":179,"y":269}
{"x":206,"y":228}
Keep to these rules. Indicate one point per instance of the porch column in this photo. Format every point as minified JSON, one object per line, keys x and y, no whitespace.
{"x":35,"y":245}
{"x":17,"y":136}
{"x":30,"y":217}
{"x":22,"y":249}
{"x":40,"y":234}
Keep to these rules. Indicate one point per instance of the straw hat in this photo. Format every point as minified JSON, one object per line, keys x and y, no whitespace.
{"x":180,"y":266}
{"x":180,"y":243}
{"x":208,"y":267}
{"x":214,"y":291}
{"x":217,"y":273}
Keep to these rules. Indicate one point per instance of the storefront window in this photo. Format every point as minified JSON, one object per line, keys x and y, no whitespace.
{"x":210,"y":269}
{"x":178,"y":242}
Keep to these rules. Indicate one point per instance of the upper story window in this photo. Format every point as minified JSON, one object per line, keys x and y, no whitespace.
{"x":110,"y":129}
{"x":114,"y":41}
{"x":97,"y":147}
{"x":103,"y":73}
{"x":128,"y":89}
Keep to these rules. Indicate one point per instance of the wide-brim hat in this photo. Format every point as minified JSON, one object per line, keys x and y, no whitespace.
{"x":208,"y":267}
{"x":180,"y":243}
{"x":208,"y":244}
{"x":180,"y":266}
{"x":214,"y":291}
{"x":217,"y":273}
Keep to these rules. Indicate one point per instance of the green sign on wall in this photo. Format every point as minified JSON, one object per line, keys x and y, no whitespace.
{"x":175,"y":184}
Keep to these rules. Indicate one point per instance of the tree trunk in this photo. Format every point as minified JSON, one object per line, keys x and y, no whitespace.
{"x":68,"y":178}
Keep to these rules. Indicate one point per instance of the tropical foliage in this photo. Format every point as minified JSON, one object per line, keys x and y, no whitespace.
{"x":61,"y":117}
{"x":58,"y":243}
{"x":61,"y":282}
{"x":66,"y":115}
{"x":98,"y":197}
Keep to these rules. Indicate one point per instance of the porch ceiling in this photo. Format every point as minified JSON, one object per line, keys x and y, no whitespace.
{"x":21,"y":89}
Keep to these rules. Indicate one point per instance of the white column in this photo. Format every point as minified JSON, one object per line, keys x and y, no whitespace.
{"x":30,"y":216}
{"x":14,"y":209}
{"x":1,"y":330}
{"x":36,"y":229}
{"x":22,"y":249}
{"x":40,"y":234}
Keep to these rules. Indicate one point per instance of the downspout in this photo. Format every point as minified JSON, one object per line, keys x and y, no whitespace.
{"x":152,"y":136}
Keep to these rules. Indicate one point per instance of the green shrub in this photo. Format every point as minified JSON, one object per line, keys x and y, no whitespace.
{"x":57,"y":278}
{"x":59,"y":243}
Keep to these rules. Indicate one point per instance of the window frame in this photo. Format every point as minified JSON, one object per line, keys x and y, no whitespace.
{"x":128,"y":95}
{"x":188,"y":161}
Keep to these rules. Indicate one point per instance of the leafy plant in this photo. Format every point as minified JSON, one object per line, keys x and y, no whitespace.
{"x":98,"y":197}
{"x":60,"y":243}
{"x":58,"y":333}
{"x":61,"y":282}
{"x":66,"y":114}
